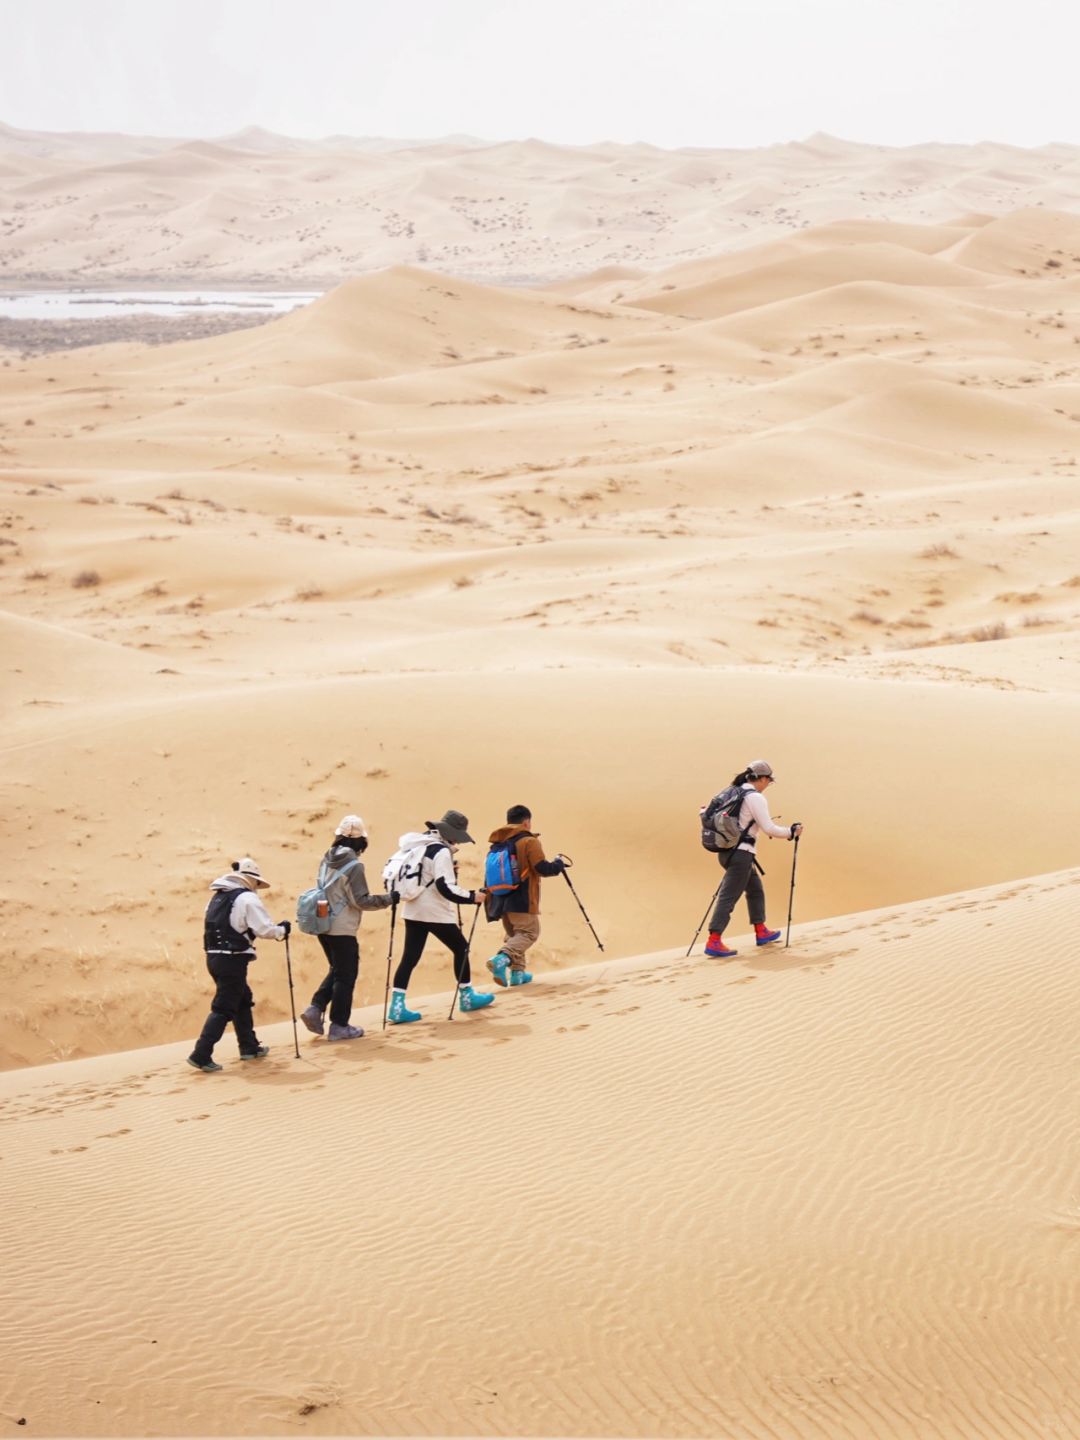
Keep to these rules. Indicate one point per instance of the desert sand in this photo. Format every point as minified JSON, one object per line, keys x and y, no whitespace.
{"x":825,"y":1191}
{"x":591,"y":546}
{"x":259,"y":206}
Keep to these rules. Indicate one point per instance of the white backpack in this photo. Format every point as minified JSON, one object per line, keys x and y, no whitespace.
{"x":403,"y":873}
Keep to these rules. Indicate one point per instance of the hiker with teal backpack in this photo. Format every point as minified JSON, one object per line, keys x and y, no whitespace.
{"x":332,"y":911}
{"x":515,"y":865}
{"x":730,"y":825}
{"x":422,"y":877}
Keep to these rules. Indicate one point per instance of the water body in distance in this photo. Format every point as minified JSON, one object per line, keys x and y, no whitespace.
{"x":94,"y":304}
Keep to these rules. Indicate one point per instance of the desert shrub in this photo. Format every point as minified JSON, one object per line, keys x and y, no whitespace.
{"x":309,"y":592}
{"x":86,"y":580}
{"x":938,"y":552}
{"x":998,"y":631}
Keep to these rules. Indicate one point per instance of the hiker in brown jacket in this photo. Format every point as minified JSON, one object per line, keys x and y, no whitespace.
{"x":520,"y":909}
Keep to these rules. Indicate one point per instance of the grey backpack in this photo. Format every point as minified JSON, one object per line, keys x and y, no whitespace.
{"x":720,"y":820}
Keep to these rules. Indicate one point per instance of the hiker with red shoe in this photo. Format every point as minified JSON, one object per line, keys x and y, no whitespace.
{"x":731,"y":823}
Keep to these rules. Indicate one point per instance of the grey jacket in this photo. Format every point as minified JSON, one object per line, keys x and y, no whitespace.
{"x":342,"y":876}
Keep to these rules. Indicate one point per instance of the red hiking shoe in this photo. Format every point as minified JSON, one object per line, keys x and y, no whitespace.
{"x":716,"y":947}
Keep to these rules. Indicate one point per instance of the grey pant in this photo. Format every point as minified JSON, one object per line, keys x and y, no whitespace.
{"x":739,"y":876}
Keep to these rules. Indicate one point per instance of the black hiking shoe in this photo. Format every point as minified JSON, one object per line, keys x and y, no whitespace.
{"x":208,"y":1065}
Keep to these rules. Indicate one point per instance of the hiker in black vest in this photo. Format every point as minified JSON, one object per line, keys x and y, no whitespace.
{"x":341,"y":875}
{"x":741,"y":870}
{"x":234,"y":917}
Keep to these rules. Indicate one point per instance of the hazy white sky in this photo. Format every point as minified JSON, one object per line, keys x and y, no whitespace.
{"x":672,"y":72}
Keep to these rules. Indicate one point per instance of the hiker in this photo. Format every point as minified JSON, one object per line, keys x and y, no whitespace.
{"x":519,"y":909}
{"x":741,"y":869}
{"x":342,"y":877}
{"x":431,"y":909}
{"x":234,"y":917}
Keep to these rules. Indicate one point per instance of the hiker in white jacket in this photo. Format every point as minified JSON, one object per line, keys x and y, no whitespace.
{"x":740,"y":864}
{"x":234,"y":918}
{"x":433,"y":911}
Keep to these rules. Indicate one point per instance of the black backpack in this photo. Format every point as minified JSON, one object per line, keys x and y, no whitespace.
{"x":720,"y":820}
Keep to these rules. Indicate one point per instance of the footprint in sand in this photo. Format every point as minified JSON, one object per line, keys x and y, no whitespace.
{"x":743,"y":980}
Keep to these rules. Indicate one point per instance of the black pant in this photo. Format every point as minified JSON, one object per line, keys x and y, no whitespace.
{"x":739,"y":875}
{"x":343,"y":954}
{"x":416,"y":933}
{"x":233,"y":1002}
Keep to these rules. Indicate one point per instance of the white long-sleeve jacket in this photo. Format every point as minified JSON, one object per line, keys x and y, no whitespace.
{"x":754,"y":812}
{"x":438,"y":901}
{"x":248,"y":913}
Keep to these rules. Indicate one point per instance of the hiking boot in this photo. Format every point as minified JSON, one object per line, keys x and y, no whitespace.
{"x":520,"y":977}
{"x":716,"y":947}
{"x":765,"y":936}
{"x":498,"y":965}
{"x":312,"y":1017}
{"x":259,"y":1053}
{"x":399,"y":1015}
{"x":345,"y":1032}
{"x":208,"y":1065}
{"x":470,"y":999}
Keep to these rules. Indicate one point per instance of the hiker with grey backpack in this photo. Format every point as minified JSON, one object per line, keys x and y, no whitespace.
{"x":332,"y":911}
{"x":730,"y":825}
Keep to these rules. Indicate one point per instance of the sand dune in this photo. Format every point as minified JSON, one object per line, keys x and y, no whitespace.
{"x":834,"y":1184}
{"x":258,"y":205}
{"x":321,"y":552}
{"x":591,"y":546}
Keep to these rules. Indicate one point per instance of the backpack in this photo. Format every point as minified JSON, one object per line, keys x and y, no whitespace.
{"x":502,"y":872}
{"x":403,"y":872}
{"x":313,"y":909}
{"x":720,"y":820}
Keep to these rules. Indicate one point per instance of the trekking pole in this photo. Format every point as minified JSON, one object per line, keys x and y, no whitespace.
{"x":708,"y":912}
{"x":292,"y":1002}
{"x":389,"y":958}
{"x":567,"y":862}
{"x":791,"y":897}
{"x":468,"y":947}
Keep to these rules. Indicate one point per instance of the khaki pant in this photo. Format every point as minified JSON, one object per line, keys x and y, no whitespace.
{"x":521,"y":932}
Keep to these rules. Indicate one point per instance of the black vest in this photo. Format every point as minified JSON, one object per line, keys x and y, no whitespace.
{"x":218,"y":933}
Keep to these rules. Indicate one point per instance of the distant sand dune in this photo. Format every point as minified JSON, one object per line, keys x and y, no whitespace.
{"x":277,"y":209}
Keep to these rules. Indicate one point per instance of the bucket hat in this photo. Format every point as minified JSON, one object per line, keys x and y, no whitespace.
{"x":453,"y":827}
{"x":248,"y":867}
{"x":352,"y":828}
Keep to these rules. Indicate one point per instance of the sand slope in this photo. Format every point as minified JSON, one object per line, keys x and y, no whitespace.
{"x":430,"y":542}
{"x":254,"y":205}
{"x":822,"y":1191}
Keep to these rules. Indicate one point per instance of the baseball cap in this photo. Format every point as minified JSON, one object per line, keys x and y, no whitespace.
{"x":761,"y":769}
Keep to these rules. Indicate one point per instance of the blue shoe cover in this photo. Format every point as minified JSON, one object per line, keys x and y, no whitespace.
{"x":520,"y":977}
{"x":398,"y":1013}
{"x":470,"y":999}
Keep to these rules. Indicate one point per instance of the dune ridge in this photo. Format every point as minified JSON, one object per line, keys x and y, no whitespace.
{"x":432,"y":542}
{"x":835,"y":1183}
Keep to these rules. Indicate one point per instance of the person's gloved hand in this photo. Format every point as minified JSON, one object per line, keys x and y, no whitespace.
{"x":286,"y":925}
{"x":796,"y":829}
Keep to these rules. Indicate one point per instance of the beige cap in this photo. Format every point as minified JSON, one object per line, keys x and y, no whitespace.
{"x":248,"y":868}
{"x":352,"y":828}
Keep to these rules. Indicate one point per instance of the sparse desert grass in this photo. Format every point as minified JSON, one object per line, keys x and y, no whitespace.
{"x":997,"y":631}
{"x":37,"y":575}
{"x":938,"y":552}
{"x":462,"y":582}
{"x":867,"y":617}
{"x":86,"y":580}
{"x":309,"y":592}
{"x":1018,"y":597}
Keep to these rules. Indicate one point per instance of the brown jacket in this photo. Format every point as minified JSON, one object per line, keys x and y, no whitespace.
{"x":532,"y":864}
